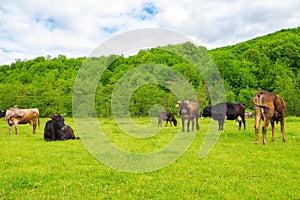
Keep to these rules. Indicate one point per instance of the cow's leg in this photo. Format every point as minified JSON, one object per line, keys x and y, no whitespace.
{"x":188,"y":125}
{"x":273,"y":130}
{"x":244,"y":122}
{"x":17,"y":129}
{"x":256,"y":126}
{"x":171,"y":123}
{"x":282,"y":128}
{"x":10,"y":128}
{"x":16,"y":126}
{"x":264,"y":130}
{"x":193,"y":124}
{"x":223,"y":121}
{"x":240,"y":125}
{"x":167,"y":123}
{"x":34,"y":128}
{"x":182,"y":124}
{"x":197,"y":124}
{"x":221,"y":124}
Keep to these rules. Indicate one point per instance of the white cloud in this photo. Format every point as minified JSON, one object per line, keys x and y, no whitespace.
{"x":75,"y":28}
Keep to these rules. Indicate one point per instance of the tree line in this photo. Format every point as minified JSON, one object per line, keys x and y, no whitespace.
{"x":270,"y":62}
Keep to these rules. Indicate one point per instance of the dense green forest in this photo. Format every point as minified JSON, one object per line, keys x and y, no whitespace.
{"x":271,"y":62}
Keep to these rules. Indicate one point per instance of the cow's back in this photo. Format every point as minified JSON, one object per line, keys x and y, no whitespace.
{"x":162,"y":116}
{"x":268,"y":102}
{"x":23,"y":116}
{"x":193,"y":108}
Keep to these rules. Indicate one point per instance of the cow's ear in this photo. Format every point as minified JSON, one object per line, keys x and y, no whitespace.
{"x":53,"y":117}
{"x":179,"y":101}
{"x":177,"y":106}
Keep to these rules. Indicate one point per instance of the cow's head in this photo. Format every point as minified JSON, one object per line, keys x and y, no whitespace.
{"x":183,"y":107}
{"x":206,"y":112}
{"x":59,"y":122}
{"x":2,"y":113}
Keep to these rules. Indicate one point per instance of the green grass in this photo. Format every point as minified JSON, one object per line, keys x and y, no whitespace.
{"x":236,"y":168}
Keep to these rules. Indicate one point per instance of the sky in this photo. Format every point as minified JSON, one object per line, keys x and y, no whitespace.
{"x":74,"y":28}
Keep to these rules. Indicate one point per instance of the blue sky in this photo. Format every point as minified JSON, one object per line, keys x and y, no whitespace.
{"x":75,"y":28}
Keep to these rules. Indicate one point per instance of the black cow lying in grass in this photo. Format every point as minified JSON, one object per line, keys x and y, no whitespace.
{"x":229,"y":111}
{"x":168,"y":117}
{"x":55,"y":129}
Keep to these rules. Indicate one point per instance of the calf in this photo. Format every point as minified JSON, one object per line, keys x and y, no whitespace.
{"x":15,"y":116}
{"x":55,"y":129}
{"x":226,"y":110}
{"x":269,"y":107}
{"x":168,"y":117}
{"x":188,"y":110}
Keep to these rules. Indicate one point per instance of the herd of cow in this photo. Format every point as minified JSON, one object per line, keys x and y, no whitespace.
{"x":268,"y":107}
{"x":55,"y":129}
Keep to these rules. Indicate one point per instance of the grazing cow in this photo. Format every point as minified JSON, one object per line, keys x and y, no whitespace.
{"x":226,"y":110}
{"x":168,"y":117}
{"x":188,"y":110}
{"x":15,"y":116}
{"x":269,"y":107}
{"x":248,"y":115}
{"x":55,"y":129}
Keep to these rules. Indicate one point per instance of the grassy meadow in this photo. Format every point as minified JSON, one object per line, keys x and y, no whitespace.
{"x":236,"y":168}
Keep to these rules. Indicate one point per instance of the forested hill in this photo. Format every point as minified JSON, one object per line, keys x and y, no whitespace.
{"x":270,"y":62}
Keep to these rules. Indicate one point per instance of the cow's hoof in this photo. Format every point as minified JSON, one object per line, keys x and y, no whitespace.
{"x":256,"y":142}
{"x":264,"y":142}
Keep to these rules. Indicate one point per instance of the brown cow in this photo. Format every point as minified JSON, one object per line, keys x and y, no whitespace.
{"x":269,"y":107}
{"x":15,"y":116}
{"x":188,"y":110}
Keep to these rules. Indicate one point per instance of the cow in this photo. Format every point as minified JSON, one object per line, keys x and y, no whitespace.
{"x":269,"y":107}
{"x":55,"y":129}
{"x":168,"y":117}
{"x":188,"y":110}
{"x":2,"y":113}
{"x":226,"y":110}
{"x":248,"y":115}
{"x":15,"y":116}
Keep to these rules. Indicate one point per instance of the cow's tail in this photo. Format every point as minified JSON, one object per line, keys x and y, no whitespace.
{"x":39,"y":122}
{"x":257,"y":100}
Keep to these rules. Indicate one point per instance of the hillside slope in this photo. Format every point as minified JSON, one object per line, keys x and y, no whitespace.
{"x":270,"y":62}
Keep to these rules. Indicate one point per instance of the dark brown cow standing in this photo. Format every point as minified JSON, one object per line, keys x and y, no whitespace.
{"x":15,"y":116}
{"x":269,"y":107}
{"x":188,"y":110}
